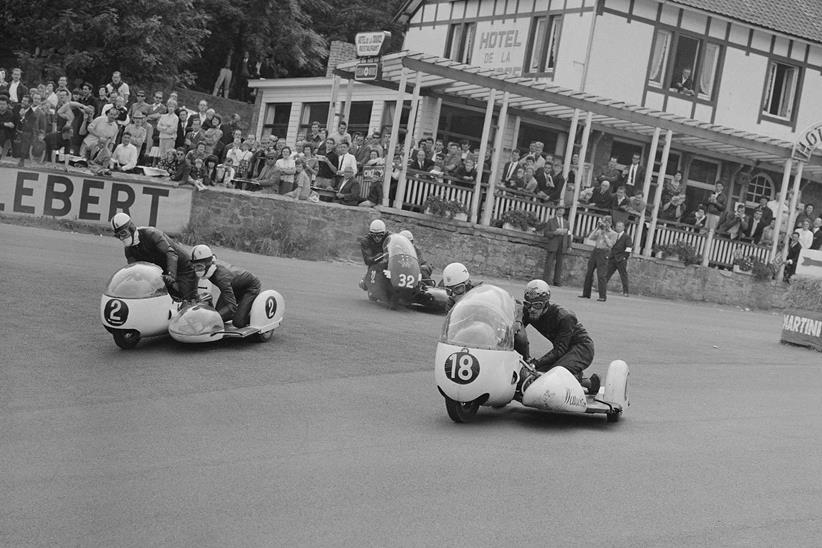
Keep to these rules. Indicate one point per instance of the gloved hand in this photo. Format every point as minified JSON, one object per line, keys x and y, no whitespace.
{"x":168,"y":280}
{"x":387,"y":274}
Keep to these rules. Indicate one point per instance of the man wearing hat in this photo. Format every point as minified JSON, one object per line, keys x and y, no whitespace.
{"x":559,"y":241}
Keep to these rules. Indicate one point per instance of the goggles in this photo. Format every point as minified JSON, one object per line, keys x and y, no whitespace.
{"x":535,"y":306}
{"x":122,"y":233}
{"x":457,"y":290}
{"x":200,"y":267}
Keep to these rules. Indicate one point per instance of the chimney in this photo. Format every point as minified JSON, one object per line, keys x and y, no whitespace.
{"x":340,"y":52}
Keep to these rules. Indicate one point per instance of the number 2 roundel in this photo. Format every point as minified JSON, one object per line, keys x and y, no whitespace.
{"x":462,"y":367}
{"x":270,"y":307}
{"x":116,"y":312}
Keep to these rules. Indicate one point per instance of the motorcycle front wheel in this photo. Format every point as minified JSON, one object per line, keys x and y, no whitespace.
{"x":461,"y":412}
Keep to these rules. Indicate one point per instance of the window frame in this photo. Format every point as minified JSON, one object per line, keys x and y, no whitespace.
{"x":666,"y":71}
{"x":767,"y":91}
{"x":273,"y":125}
{"x":305,"y":118}
{"x":552,"y":34}
{"x":466,"y":47}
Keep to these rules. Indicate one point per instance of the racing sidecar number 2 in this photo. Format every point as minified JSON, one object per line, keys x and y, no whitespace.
{"x":462,"y":367}
{"x":116,"y":312}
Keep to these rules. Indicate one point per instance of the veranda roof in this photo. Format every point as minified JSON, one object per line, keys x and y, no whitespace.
{"x":443,"y":77}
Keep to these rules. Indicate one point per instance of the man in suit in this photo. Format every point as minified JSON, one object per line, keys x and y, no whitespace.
{"x":421,"y":161}
{"x":733,"y":224}
{"x":767,"y":214}
{"x":755,"y":226}
{"x":348,"y":192}
{"x":684,"y":84}
{"x":618,"y":258}
{"x":619,"y":205}
{"x":602,"y":197}
{"x":510,"y":168}
{"x":559,"y":241}
{"x":633,"y":176}
{"x":17,"y":89}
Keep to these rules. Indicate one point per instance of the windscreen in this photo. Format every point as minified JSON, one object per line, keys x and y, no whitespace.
{"x":137,"y":281}
{"x":483,"y":318}
{"x":397,"y":244}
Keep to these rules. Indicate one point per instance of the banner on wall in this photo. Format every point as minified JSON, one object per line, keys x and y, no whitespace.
{"x":93,"y":200}
{"x":809,"y":264}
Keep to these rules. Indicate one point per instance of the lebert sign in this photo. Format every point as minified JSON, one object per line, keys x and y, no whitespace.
{"x":370,"y":44}
{"x":34,"y":193}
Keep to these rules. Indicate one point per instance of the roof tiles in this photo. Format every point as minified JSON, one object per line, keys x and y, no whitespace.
{"x":799,"y":18}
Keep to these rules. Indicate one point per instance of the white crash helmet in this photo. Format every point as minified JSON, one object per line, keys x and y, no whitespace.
{"x":456,"y":280}
{"x":408,"y":235}
{"x":202,"y":261}
{"x":377,"y":227}
{"x":536,"y":297}
{"x":124,"y":229}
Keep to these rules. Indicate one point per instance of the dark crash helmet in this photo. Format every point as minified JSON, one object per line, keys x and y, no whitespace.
{"x":536,"y":298}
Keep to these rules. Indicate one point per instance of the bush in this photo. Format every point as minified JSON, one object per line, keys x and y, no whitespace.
{"x":434,"y":205}
{"x":523,"y":220}
{"x":683,"y":251}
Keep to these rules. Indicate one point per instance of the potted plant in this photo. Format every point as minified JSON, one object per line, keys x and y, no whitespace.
{"x":516,"y":219}
{"x":456,"y":210}
{"x":434,"y":205}
{"x":742,"y":264}
{"x":679,"y":250}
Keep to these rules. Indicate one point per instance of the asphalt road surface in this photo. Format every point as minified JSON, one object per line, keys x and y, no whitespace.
{"x":333,"y":433}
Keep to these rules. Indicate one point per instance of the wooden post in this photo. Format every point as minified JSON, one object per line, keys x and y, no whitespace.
{"x":797,"y":178}
{"x":409,"y":137}
{"x":569,"y":151}
{"x":783,"y":193}
{"x":486,"y":134}
{"x":495,"y":163}
{"x":392,"y":142}
{"x":332,"y":104}
{"x":646,"y":188}
{"x":583,"y":150}
{"x":660,"y":183}
{"x":349,"y":91}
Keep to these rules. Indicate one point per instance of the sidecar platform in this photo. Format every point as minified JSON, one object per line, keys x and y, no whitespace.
{"x":238,"y":332}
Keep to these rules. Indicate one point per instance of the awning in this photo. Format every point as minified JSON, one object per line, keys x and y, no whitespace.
{"x":442,"y":77}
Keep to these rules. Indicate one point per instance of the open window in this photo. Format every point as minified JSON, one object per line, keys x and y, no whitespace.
{"x":781,"y":90}
{"x":544,"y":43}
{"x":688,"y":65}
{"x":459,"y":45}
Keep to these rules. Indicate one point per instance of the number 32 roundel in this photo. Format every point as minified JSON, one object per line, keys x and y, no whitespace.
{"x":461,"y":367}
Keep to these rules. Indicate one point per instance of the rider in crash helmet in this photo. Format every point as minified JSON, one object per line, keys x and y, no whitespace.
{"x":154,"y":246}
{"x":371,"y":246}
{"x":572,"y":349}
{"x":238,"y":288}
{"x":425,"y":269}
{"x":457,"y":282}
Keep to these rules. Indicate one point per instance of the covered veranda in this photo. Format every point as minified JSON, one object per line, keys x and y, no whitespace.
{"x":421,"y":75}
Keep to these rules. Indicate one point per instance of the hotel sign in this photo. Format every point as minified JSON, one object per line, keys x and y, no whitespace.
{"x":807,"y":142}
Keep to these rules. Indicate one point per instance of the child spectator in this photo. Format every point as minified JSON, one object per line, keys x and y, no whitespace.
{"x":210,"y":171}
{"x":196,"y":175}
{"x":125,"y":156}
{"x":225,"y":174}
{"x":302,"y":182}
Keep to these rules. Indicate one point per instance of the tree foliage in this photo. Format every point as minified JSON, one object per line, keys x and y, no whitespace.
{"x":177,"y":40}
{"x":149,"y":40}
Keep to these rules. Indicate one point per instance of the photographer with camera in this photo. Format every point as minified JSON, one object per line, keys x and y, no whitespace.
{"x":733,"y":224}
{"x":604,"y":239}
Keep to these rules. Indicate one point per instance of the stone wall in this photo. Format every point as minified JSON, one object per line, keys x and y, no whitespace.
{"x":280,"y":226}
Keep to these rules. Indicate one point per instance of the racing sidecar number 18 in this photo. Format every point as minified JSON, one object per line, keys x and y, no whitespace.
{"x":462,"y":367}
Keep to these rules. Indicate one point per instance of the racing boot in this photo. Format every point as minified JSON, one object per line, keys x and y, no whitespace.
{"x":526,"y":377}
{"x":591,"y":385}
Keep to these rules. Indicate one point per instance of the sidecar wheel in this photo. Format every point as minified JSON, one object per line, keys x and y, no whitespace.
{"x":265,"y":337}
{"x":126,"y":338}
{"x":461,"y":412}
